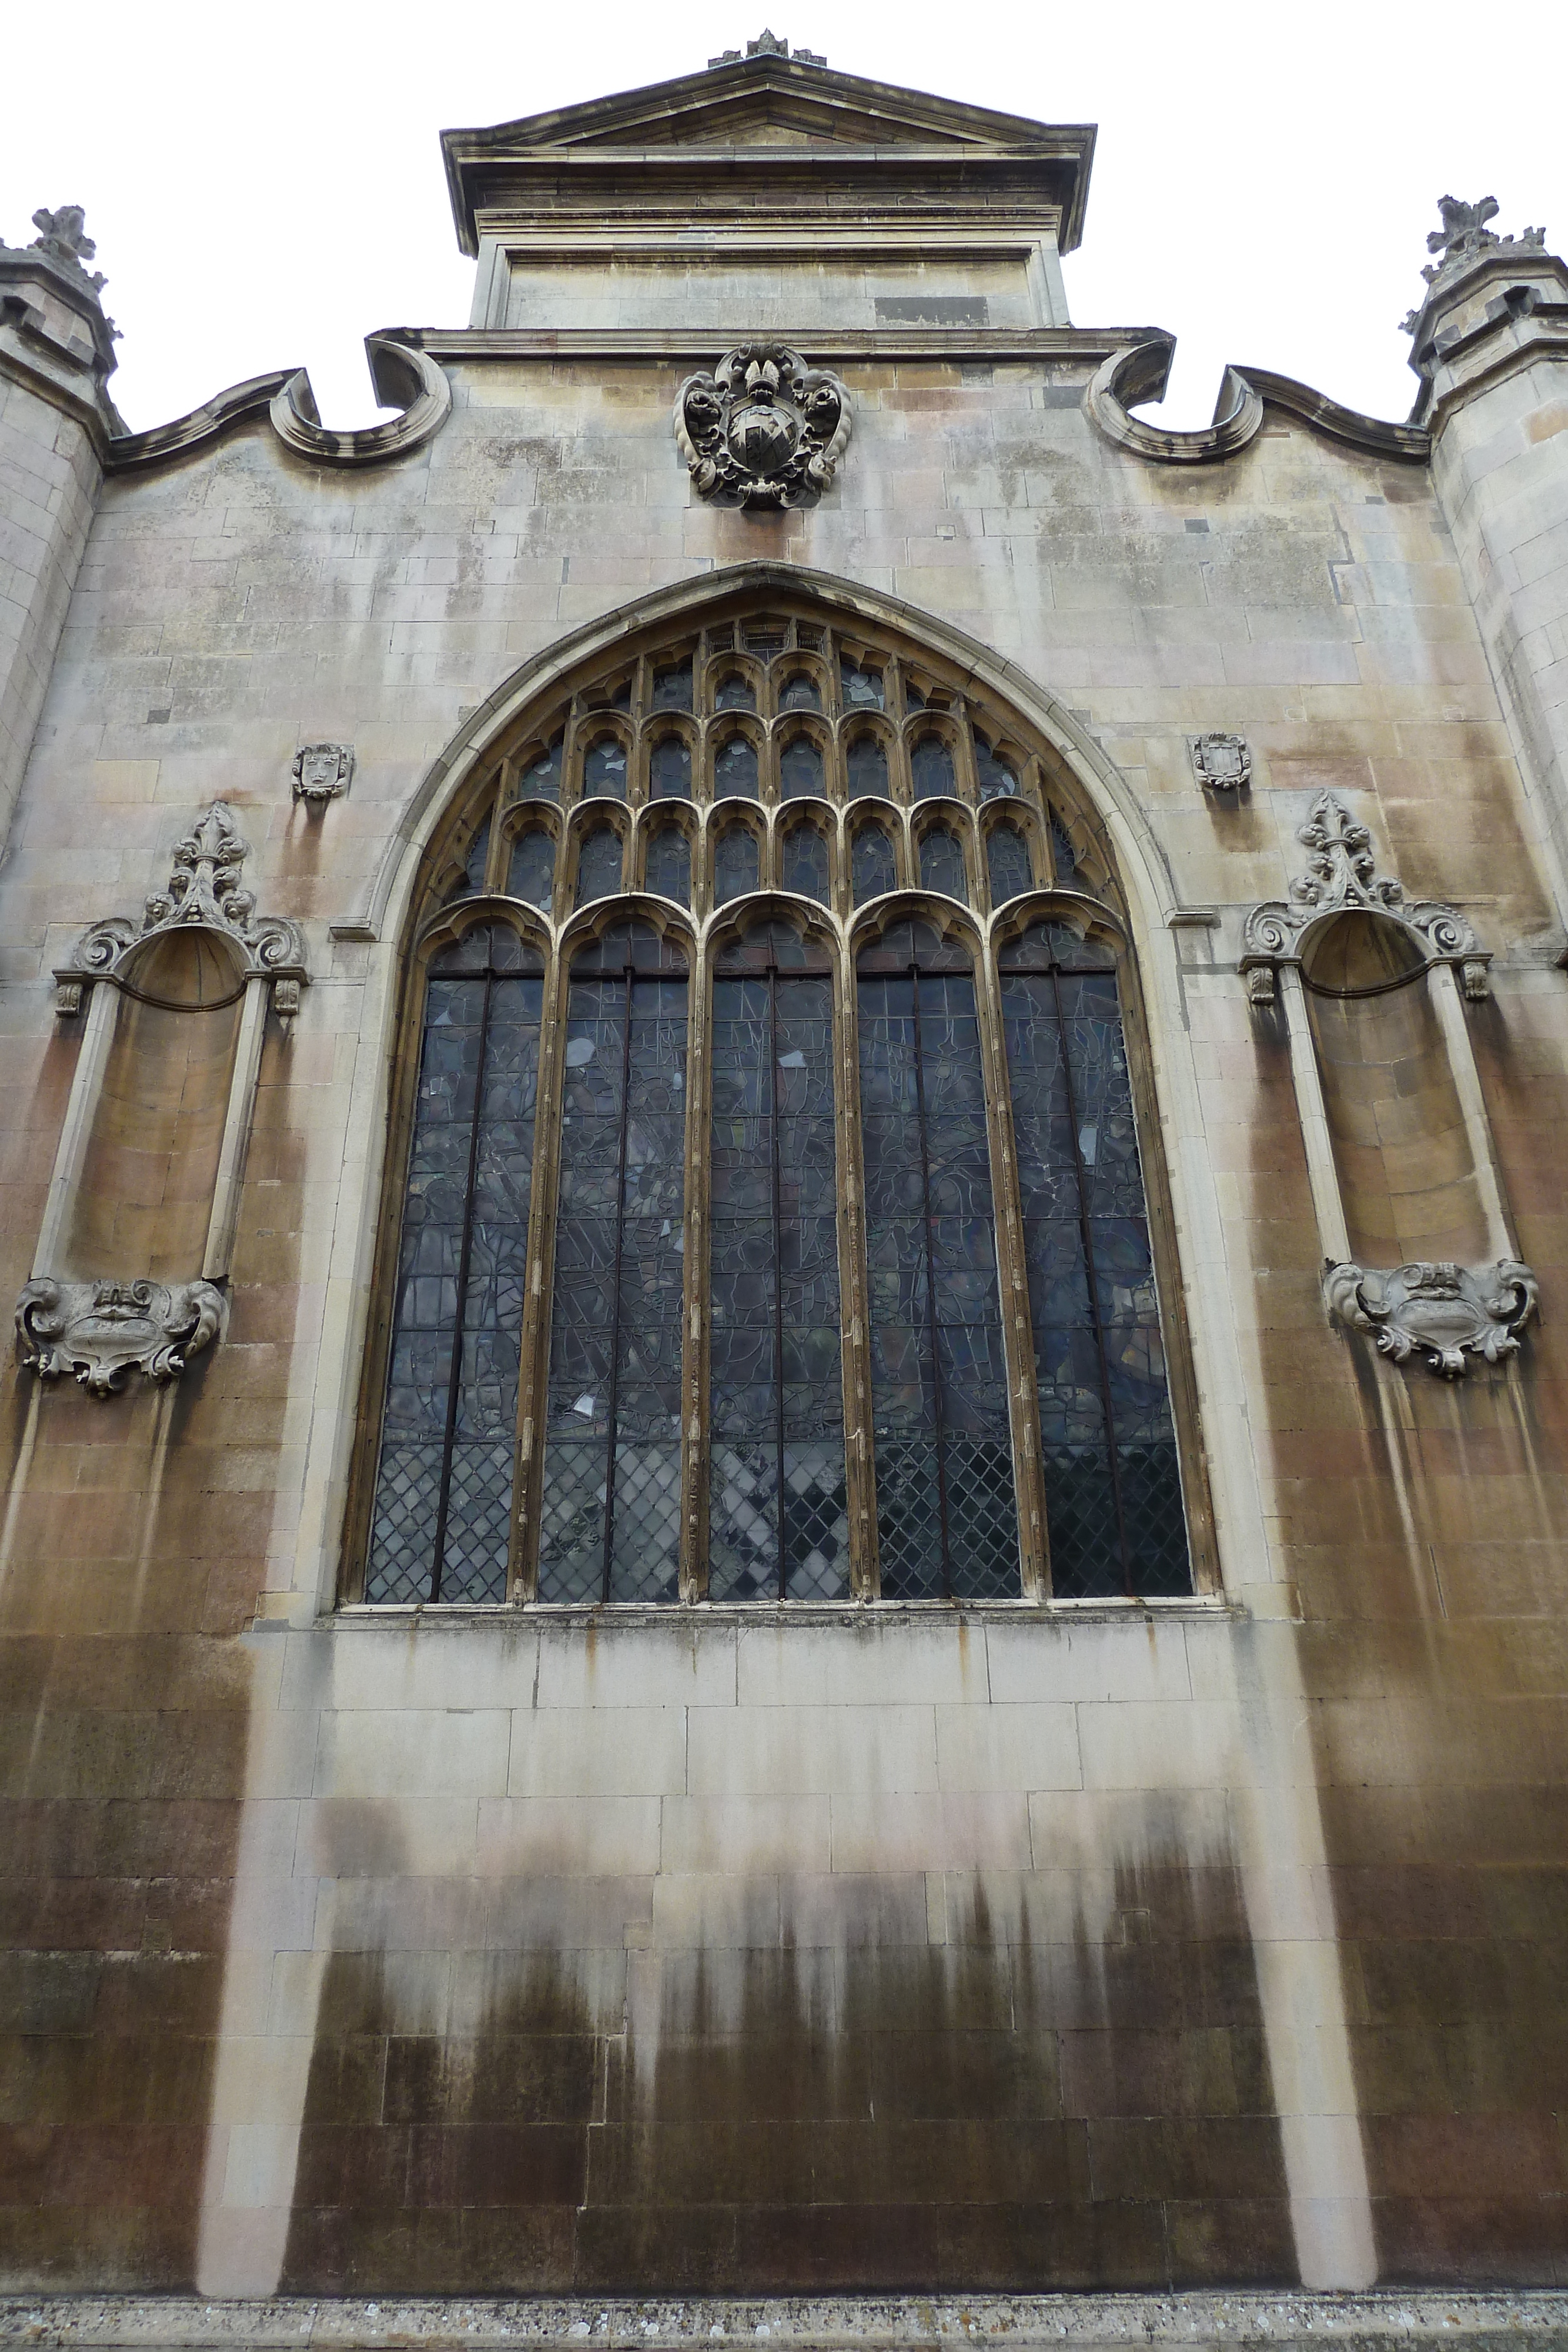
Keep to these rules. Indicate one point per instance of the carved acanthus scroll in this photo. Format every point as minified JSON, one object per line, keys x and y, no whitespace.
{"x":1341,"y":875}
{"x":203,"y":891}
{"x":104,"y":1331}
{"x":1451,"y":1314}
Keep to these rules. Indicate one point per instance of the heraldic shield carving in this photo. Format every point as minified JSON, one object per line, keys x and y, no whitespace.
{"x":764,"y":430}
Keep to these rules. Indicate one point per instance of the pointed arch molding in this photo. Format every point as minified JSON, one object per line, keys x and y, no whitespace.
{"x":1132,"y":848}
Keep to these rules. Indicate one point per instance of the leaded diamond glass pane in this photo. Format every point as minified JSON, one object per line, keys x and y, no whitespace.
{"x":616,"y":1317}
{"x":947,"y":1518}
{"x":777,"y":1515}
{"x":440,"y":1522}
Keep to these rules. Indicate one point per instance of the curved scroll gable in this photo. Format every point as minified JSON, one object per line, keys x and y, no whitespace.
{"x":400,"y":372}
{"x":203,"y":891}
{"x":1138,"y":372}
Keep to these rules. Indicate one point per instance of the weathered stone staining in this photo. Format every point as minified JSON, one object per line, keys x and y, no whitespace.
{"x":763,"y":431}
{"x":104,"y":1331}
{"x":1061,"y":1803}
{"x":1452,"y":1315}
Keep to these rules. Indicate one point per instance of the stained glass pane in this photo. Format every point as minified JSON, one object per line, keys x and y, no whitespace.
{"x":997,"y":781}
{"x":947,"y":1519}
{"x":670,"y":865}
{"x":671,"y":770}
{"x":942,"y":864}
{"x":735,"y":770}
{"x":672,"y":687}
{"x":1063,"y":856}
{"x":443,"y":1489}
{"x":1007,"y":863}
{"x":531,"y":875}
{"x":1113,"y":1490}
{"x":540,"y":781}
{"x":779,"y":1524}
{"x":604,"y":770}
{"x":472,"y":880}
{"x":805,"y":861}
{"x":867,"y":768}
{"x":871,"y":867}
{"x":801,"y":693}
{"x":735,"y":693}
{"x":800,"y":769}
{"x":598,"y":864}
{"x":610,"y":1516}
{"x":863,"y":684}
{"x":735,"y":864}
{"x":932,"y":768}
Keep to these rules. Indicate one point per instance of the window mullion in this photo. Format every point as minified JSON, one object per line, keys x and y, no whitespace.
{"x":533,"y":1355}
{"x":854,"y":1311}
{"x":1012,"y":1275}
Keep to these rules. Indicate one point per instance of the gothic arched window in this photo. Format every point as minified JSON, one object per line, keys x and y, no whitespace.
{"x":766,"y":1216}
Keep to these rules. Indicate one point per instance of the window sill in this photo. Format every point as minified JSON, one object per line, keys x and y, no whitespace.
{"x":856,"y":1615}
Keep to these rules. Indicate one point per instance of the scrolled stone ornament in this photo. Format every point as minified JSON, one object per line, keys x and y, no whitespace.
{"x":104,"y":1331}
{"x":764,"y":431}
{"x":1451,"y":1314}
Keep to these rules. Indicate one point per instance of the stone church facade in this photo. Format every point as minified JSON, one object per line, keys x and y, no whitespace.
{"x":783,"y":1134}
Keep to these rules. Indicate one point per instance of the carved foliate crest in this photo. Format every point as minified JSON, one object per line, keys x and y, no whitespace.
{"x":321,"y":771}
{"x":204,"y":890}
{"x":764,"y":430}
{"x":1450,"y":1315}
{"x":1342,"y":873}
{"x":104,"y":1331}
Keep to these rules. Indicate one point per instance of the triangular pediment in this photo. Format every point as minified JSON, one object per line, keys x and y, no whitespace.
{"x":761,"y":108}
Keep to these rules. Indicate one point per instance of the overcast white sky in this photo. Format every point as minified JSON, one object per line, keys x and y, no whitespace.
{"x":264,"y":187}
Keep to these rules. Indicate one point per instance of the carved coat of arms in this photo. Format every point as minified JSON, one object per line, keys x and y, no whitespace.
{"x":764,"y":430}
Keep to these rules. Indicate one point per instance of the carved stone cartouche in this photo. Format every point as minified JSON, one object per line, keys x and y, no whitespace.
{"x":203,"y":890}
{"x":321,"y":771}
{"x":763,"y":431}
{"x":1450,"y":1314}
{"x":104,"y":1331}
{"x":1342,"y":873}
{"x":1222,"y":763}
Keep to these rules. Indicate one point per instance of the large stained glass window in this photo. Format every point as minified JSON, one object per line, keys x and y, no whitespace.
{"x":777,"y":1522}
{"x":444,"y":1485}
{"x":947,"y":1518}
{"x":1113,"y":1492}
{"x":611,"y":1523}
{"x":559,"y":1407}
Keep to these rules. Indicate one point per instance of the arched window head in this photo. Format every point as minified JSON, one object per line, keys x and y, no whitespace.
{"x":941,"y":863}
{"x":872,"y":867}
{"x":931,"y":766}
{"x":604,"y":770}
{"x":866,"y":765}
{"x":670,"y":769}
{"x":531,"y":871}
{"x":801,"y":771}
{"x":669,"y":871}
{"x":805,"y":861}
{"x":598,"y":864}
{"x":1007,"y":864}
{"x":735,"y":770}
{"x":441,"y":1518}
{"x":609,"y":1519}
{"x":735,"y":864}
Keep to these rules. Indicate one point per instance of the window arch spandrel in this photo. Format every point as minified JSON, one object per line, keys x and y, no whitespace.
{"x":442,"y":1511}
